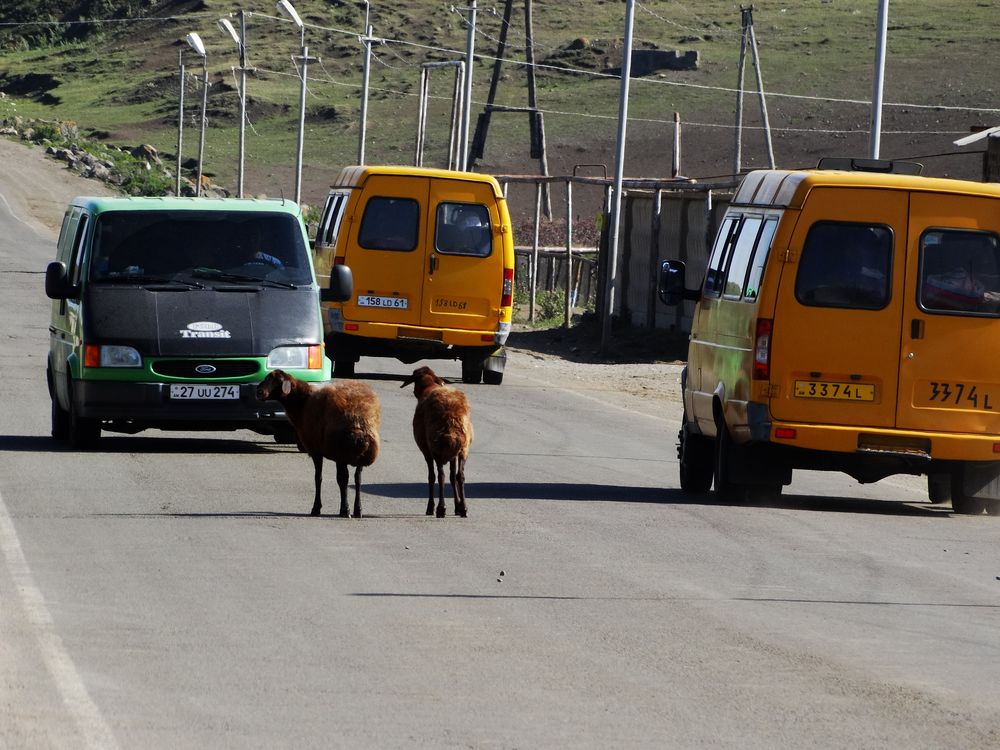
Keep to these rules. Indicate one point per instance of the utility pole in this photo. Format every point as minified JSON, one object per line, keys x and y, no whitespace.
{"x":616,"y":209}
{"x":180,"y":122}
{"x":470,"y":51}
{"x":749,"y":39}
{"x":876,"y":129}
{"x":363,"y":128}
{"x":243,"y":102}
{"x":536,"y":122}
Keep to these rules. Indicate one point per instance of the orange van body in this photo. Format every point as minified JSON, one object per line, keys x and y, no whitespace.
{"x":848,"y":320}
{"x":432,"y":256}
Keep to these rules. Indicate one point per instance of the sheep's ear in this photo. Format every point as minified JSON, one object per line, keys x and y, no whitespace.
{"x":286,"y":387}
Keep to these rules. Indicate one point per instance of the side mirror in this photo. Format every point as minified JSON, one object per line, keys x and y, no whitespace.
{"x":341,"y":286}
{"x":57,"y":284}
{"x":670,"y":283}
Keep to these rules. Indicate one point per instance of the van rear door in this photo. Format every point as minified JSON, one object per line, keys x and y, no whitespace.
{"x":948,"y":379}
{"x":386,"y":250}
{"x":463,"y":278}
{"x":834,"y":347}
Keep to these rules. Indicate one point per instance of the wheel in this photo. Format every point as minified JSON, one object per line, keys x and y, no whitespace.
{"x":343,"y":368}
{"x":60,"y":420}
{"x":695,"y":460}
{"x":939,"y":488}
{"x":83,"y":432}
{"x":492,"y":377}
{"x":725,"y":488}
{"x":962,"y":503}
{"x":472,"y":371}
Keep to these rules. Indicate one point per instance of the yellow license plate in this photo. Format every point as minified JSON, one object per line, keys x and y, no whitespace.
{"x":834,"y":390}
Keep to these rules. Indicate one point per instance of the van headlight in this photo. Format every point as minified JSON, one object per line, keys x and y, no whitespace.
{"x":295,"y":358}
{"x":119,"y":356}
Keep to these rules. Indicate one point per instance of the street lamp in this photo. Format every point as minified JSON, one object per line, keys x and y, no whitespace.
{"x":194,"y":41}
{"x":285,"y":8}
{"x":240,"y":39}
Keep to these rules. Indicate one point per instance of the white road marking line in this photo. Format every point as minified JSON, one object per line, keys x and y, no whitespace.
{"x":94,"y":730}
{"x":14,"y":216}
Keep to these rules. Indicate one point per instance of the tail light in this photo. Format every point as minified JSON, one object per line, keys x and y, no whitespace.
{"x":91,"y":356}
{"x":339,"y":260}
{"x":507,"y":296}
{"x":762,"y":349}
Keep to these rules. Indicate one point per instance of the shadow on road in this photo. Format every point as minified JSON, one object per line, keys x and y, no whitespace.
{"x":144,"y":444}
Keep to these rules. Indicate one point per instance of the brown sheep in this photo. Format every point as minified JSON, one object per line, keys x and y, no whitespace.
{"x":442,"y":427}
{"x":339,"y":421}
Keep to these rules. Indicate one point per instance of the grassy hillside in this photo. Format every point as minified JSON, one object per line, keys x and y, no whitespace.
{"x":118,"y":78}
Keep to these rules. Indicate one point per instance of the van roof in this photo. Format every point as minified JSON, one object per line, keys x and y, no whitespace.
{"x":99,"y":204}
{"x":355,"y":176}
{"x":787,"y":188}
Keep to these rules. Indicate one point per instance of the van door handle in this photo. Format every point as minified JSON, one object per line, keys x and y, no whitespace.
{"x":434,"y":263}
{"x":916,"y":328}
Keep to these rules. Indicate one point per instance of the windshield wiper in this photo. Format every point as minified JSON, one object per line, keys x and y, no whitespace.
{"x":215,"y":274}
{"x":143,"y":280}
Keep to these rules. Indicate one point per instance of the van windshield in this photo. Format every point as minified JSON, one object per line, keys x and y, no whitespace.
{"x":172,"y":246}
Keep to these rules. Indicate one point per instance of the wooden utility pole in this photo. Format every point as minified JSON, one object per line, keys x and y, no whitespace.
{"x":749,"y":38}
{"x":536,"y":121}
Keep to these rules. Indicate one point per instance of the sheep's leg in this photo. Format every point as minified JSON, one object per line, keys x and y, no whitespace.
{"x":459,"y":485}
{"x":430,"y":487}
{"x":357,"y":491}
{"x":318,"y":464}
{"x":343,"y":474}
{"x":441,"y":509}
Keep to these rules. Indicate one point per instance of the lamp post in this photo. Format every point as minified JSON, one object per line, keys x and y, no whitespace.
{"x":285,"y":8}
{"x":240,"y":40}
{"x":194,"y":41}
{"x":362,"y":130}
{"x":180,"y":122}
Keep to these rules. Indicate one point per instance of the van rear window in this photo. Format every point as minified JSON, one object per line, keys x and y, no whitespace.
{"x":463,"y":229}
{"x":845,"y":265}
{"x":390,"y":224}
{"x":960,"y":272}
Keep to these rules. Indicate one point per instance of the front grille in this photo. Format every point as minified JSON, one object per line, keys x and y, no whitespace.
{"x":224,"y":368}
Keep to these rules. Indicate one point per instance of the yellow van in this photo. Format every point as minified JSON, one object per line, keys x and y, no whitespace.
{"x":848,"y":320}
{"x":432,"y":256}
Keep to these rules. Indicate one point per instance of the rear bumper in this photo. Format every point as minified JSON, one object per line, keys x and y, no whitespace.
{"x":410,"y":345}
{"x":131,"y":407}
{"x":940,"y":446}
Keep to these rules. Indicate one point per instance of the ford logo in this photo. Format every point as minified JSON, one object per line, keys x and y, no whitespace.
{"x":204,"y":325}
{"x":204,"y":369}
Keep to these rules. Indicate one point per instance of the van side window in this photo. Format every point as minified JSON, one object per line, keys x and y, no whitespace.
{"x":463,"y":229}
{"x":389,"y":224}
{"x":759,"y":260}
{"x":739,"y":259}
{"x":76,"y":260}
{"x":845,"y":265}
{"x":333,"y":212}
{"x":715,"y":275}
{"x":960,"y":272}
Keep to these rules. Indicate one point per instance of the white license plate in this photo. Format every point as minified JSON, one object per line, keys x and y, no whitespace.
{"x":205,"y":392}
{"x":370,"y":300}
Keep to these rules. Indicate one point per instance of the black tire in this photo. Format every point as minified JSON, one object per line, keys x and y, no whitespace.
{"x":939,"y":488}
{"x":472,"y":371}
{"x":60,"y":420}
{"x":343,"y":368}
{"x":725,"y":488}
{"x":83,"y":432}
{"x":492,"y":377}
{"x":963,"y":504}
{"x":695,"y":460}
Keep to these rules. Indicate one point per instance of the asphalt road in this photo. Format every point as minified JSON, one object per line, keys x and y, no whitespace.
{"x":170,"y":591}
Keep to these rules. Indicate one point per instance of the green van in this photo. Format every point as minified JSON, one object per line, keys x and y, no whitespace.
{"x":167,"y":312}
